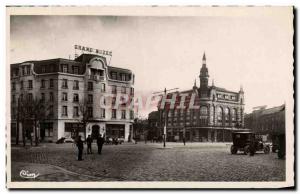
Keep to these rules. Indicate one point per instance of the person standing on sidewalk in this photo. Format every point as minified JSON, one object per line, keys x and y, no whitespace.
{"x":80,"y":148}
{"x":89,"y":142}
{"x":100,"y":142}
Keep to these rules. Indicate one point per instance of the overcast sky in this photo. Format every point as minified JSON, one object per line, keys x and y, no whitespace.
{"x":252,"y":51}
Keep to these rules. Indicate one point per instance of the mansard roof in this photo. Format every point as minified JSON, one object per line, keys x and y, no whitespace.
{"x":55,"y":65}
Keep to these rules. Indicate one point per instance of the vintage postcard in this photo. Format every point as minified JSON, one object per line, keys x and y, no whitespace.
{"x":150,"y":97}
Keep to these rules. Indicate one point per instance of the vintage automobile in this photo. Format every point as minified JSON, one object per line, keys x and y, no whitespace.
{"x":242,"y":140}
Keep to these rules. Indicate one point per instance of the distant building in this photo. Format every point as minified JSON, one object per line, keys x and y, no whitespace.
{"x":63,"y":84}
{"x":270,"y":122}
{"x":218,"y":111}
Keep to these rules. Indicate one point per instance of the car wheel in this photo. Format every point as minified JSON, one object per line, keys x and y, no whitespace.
{"x":266,"y":149}
{"x":246,"y":150}
{"x":233,"y":149}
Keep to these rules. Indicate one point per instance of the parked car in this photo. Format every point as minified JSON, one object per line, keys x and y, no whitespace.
{"x":242,"y":141}
{"x":65,"y":140}
{"x":69,"y":140}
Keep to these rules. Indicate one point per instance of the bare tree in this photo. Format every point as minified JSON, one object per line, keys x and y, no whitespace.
{"x":84,"y":116}
{"x":31,"y":110}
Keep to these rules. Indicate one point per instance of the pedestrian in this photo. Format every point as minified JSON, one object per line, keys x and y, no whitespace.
{"x":183,"y":139}
{"x":100,"y":142}
{"x":89,"y":142}
{"x":80,"y":148}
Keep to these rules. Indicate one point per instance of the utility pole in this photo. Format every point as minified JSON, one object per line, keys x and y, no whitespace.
{"x":165,"y":112}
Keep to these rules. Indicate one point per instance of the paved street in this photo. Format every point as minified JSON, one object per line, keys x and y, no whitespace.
{"x":150,"y":162}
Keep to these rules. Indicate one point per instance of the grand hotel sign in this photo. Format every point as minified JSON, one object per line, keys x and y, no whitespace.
{"x":92,"y":50}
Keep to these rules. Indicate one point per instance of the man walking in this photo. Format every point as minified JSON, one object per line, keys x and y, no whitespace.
{"x":89,"y":142}
{"x":80,"y":148}
{"x":100,"y":142}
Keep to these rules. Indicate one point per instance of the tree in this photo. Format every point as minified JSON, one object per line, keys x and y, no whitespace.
{"x":84,"y":116}
{"x":31,"y":111}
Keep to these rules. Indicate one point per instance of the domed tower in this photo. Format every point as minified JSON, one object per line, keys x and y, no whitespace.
{"x":204,"y":78}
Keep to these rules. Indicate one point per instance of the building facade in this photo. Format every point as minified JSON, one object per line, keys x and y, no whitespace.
{"x":70,"y":89}
{"x":269,"y":122}
{"x":205,"y":113}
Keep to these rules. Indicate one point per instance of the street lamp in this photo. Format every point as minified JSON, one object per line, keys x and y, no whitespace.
{"x":165,"y":123}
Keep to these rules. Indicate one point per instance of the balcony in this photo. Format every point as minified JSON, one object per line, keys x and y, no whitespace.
{"x":96,"y":77}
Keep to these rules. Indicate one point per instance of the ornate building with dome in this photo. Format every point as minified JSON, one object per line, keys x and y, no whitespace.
{"x":215,"y":112}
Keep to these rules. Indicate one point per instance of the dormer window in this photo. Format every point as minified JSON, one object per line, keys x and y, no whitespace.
{"x":113,"y":75}
{"x":44,"y":69}
{"x":123,"y":77}
{"x":75,"y":70}
{"x":65,"y":68}
{"x":27,"y":70}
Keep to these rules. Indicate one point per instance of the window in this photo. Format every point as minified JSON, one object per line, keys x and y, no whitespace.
{"x":76,"y":85}
{"x":75,"y":98}
{"x":29,"y":84}
{"x":123,"y":114}
{"x":27,"y":70}
{"x":21,"y":85}
{"x":47,"y":128}
{"x":227,"y":115}
{"x":90,"y":111}
{"x":102,"y":87}
{"x":43,"y":97}
{"x":203,"y":111}
{"x":90,"y":98}
{"x":30,"y":97}
{"x":75,"y":111}
{"x":131,"y":91}
{"x":21,"y":97}
{"x":90,"y":86}
{"x":65,"y":111}
{"x":51,"y":97}
{"x":113,"y":101}
{"x":234,"y":115}
{"x":75,"y":70}
{"x":113,"y":75}
{"x":51,"y":83}
{"x":114,"y":89}
{"x":43,"y":68}
{"x":65,"y":68}
{"x":51,"y":113}
{"x":13,"y":86}
{"x":131,"y":114}
{"x":65,"y":83}
{"x":43,"y":83}
{"x":23,"y":70}
{"x":123,"y":77}
{"x":113,"y":113}
{"x":220,"y":114}
{"x":102,"y":113}
{"x":123,"y":90}
{"x":65,"y":96}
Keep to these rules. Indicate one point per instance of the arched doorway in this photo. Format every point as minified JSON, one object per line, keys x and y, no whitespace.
{"x":95,"y":131}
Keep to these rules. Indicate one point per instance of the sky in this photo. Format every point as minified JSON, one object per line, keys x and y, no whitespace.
{"x":253,"y":50}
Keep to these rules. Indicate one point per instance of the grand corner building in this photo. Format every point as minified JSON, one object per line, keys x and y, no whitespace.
{"x":63,"y":84}
{"x":219,"y":112}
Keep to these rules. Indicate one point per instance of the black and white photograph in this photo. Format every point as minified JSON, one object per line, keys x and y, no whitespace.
{"x":150,"y":97}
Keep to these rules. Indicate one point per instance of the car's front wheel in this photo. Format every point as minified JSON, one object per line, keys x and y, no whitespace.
{"x":246,"y":150}
{"x":233,"y":149}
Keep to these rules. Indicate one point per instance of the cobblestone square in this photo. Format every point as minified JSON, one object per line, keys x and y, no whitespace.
{"x":146,"y":162}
